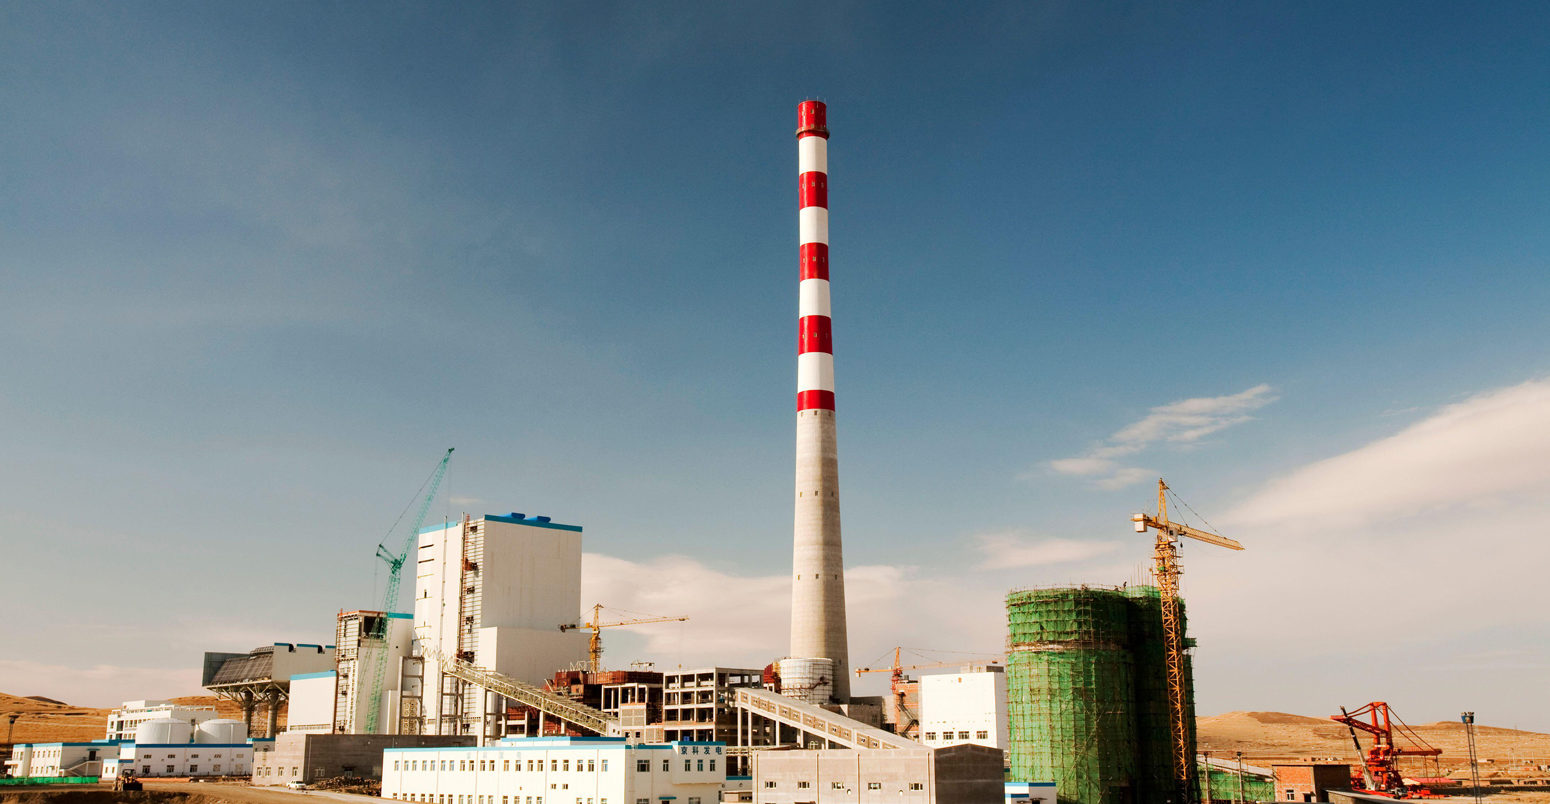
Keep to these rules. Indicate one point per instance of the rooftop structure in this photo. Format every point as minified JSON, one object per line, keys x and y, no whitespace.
{"x":964,"y":707}
{"x":123,"y":721}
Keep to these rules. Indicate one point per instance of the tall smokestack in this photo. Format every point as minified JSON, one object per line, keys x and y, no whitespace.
{"x":818,"y":568}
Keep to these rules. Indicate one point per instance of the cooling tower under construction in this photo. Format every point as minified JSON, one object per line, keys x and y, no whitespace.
{"x":1087,"y":697}
{"x":818,"y":566}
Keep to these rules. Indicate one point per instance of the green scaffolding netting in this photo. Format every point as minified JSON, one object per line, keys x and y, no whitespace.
{"x":1087,"y":694}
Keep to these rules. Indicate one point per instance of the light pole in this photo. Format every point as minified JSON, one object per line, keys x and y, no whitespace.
{"x":1240,"y":778}
{"x":1468,"y":719}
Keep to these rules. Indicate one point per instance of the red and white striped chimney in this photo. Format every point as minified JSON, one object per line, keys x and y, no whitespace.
{"x":818,"y":569}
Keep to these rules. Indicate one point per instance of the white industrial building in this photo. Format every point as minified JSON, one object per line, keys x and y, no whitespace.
{"x":967,"y":707}
{"x":339,"y":701}
{"x":123,"y":721}
{"x":491,"y":592}
{"x":557,"y":770}
{"x":960,"y":774}
{"x":54,"y":760}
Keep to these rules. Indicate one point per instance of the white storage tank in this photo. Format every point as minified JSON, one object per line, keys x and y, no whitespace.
{"x":222,"y":731}
{"x":164,"y":731}
{"x":807,"y":680}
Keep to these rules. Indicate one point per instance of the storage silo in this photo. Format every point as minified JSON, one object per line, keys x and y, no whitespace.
{"x":222,"y":731}
{"x":164,"y":731}
{"x":1070,"y":692}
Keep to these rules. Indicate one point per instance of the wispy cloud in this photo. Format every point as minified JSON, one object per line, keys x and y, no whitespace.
{"x":1182,"y":423}
{"x":1012,"y":550}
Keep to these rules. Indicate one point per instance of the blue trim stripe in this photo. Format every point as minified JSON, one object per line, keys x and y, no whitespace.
{"x":532,"y":522}
{"x":393,"y":615}
{"x":324,"y":674}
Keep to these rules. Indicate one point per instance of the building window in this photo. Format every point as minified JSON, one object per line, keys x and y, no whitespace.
{"x":694,"y":800}
{"x":215,"y":769}
{"x":699,"y":765}
{"x":874,"y":785}
{"x":804,"y":785}
{"x":930,"y":735}
{"x":686,"y":766}
{"x":769,"y":785}
{"x":554,"y":765}
{"x":565,"y":765}
{"x":603,"y":764}
{"x":505,"y":766}
{"x":169,"y":769}
{"x":529,"y":767}
{"x":664,"y":766}
{"x":395,"y":764}
{"x":963,"y":735}
{"x":836,"y":785}
{"x":642,"y":765}
{"x":917,"y":786}
{"x":589,"y":768}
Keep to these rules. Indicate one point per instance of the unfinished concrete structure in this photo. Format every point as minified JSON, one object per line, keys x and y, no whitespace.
{"x":363,"y":637}
{"x":818,"y":566}
{"x":1310,"y":781}
{"x":960,"y":774}
{"x":698,"y":705}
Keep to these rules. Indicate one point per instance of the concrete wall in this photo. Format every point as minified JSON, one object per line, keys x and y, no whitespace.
{"x":311,"y":706}
{"x":952,"y":704}
{"x":1311,"y":781}
{"x":956,"y":775}
{"x":309,"y":757}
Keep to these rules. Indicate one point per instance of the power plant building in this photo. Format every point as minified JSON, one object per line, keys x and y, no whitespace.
{"x":964,"y":708}
{"x":491,"y":592}
{"x":558,"y":770}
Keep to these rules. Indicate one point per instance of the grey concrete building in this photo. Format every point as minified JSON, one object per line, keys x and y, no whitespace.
{"x":300,"y":757}
{"x":959,"y":774}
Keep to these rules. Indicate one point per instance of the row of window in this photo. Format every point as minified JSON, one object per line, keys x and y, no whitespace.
{"x":442,"y":798}
{"x":806,"y":785}
{"x":962,"y":735}
{"x":280,"y":771}
{"x":535,"y":765}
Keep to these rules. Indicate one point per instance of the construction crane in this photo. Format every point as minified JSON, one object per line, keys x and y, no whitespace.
{"x":1166,"y":555}
{"x":1379,"y":764}
{"x":595,"y":642}
{"x":900,"y":693}
{"x":395,"y":562}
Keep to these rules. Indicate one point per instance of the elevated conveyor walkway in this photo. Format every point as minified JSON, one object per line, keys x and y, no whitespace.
{"x":833,"y":727}
{"x":547,"y":703}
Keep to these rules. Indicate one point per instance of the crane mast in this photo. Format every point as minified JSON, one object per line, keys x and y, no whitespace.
{"x":1165,"y":555}
{"x":395,"y":562}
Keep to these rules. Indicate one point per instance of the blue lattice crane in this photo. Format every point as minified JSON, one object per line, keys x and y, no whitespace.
{"x":395,"y":562}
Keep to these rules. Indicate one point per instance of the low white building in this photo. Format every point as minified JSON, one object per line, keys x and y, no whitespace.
{"x":54,"y":760}
{"x":123,"y":721}
{"x":558,"y":770}
{"x":968,"y":707}
{"x":181,"y":759}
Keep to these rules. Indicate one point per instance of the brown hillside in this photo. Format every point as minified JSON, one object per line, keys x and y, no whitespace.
{"x":45,"y":721}
{"x":1270,"y":736}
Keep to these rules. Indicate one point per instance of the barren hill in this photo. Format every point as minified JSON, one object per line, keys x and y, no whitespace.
{"x":44,"y":720}
{"x":1265,"y":736}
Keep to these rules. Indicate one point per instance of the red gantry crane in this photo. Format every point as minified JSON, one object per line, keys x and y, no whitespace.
{"x":1379,"y":765}
{"x":1166,"y":553}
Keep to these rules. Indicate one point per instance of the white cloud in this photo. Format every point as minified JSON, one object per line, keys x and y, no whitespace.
{"x":1012,"y":550}
{"x":1183,"y":422}
{"x":1469,"y":454}
{"x":1425,"y":540}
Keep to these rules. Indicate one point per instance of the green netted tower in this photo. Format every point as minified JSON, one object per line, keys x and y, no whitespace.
{"x":1087,"y":695}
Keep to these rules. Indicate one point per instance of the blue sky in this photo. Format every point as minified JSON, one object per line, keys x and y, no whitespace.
{"x":261,"y":263}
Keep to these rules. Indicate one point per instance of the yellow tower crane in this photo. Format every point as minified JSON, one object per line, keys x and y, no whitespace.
{"x":1166,"y":554}
{"x":595,"y":642}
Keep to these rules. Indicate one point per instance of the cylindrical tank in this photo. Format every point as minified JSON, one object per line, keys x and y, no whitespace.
{"x":806,"y":679}
{"x":222,"y":731}
{"x":1070,"y":693}
{"x":163,"y":731}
